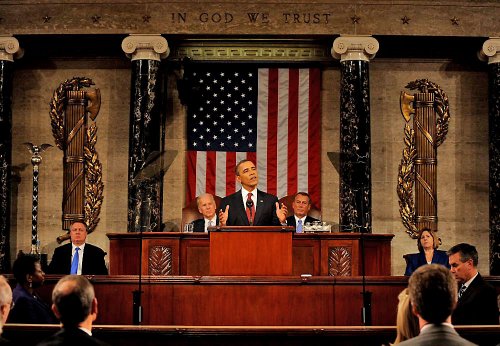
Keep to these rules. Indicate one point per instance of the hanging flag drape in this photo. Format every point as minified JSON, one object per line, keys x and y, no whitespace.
{"x":271,"y":116}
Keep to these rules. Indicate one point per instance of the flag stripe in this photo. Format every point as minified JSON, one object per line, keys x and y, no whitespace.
{"x":314,"y":179}
{"x":272,"y":169}
{"x":262,"y":125}
{"x":293,"y":118}
{"x":303,"y":133}
{"x":211,"y":167}
{"x":230,"y":177}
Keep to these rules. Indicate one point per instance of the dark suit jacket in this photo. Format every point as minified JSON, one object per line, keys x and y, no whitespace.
{"x":437,"y":335}
{"x":478,"y":304}
{"x":29,"y":309}
{"x":290,"y":221}
{"x":199,"y":224}
{"x":71,"y":337}
{"x":265,"y":212}
{"x":93,"y":260}
{"x":416,"y":260}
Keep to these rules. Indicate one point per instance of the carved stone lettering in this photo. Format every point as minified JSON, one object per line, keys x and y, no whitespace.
{"x":306,"y":18}
{"x":216,"y":17}
{"x":260,"y":18}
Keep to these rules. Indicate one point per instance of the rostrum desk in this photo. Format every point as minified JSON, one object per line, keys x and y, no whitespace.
{"x":318,"y":254}
{"x":179,"y":290}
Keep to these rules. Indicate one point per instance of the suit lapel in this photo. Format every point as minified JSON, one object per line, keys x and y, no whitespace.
{"x":469,"y":292}
{"x":67,"y":255}
{"x":259,"y":208}
{"x":240,"y":212}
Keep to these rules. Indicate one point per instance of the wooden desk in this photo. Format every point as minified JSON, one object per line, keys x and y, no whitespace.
{"x":324,"y":254}
{"x":251,"y":250}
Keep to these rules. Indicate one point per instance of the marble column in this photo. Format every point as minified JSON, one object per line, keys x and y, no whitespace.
{"x":9,"y":47}
{"x":146,"y":135}
{"x":491,"y":53}
{"x":355,"y":53}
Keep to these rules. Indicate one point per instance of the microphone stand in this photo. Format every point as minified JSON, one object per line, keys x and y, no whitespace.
{"x":366,"y":310}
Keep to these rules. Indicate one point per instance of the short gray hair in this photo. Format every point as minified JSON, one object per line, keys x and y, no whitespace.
{"x":73,"y":296}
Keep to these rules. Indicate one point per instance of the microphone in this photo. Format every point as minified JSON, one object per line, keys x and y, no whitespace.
{"x":250,"y":206}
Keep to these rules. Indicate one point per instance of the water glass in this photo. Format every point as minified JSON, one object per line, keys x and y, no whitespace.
{"x":188,"y":228}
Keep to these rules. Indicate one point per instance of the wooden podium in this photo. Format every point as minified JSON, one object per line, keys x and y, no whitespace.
{"x":251,"y":250}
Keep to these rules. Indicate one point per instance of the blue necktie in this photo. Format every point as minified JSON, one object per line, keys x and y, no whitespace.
{"x":299,"y":226}
{"x":74,"y":264}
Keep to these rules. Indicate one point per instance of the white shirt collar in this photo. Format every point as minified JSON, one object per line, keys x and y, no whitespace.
{"x":244,"y":194}
{"x":214,"y":221}
{"x":85,"y":330}
{"x":297,"y":219}
{"x":73,"y":247}
{"x":469,"y":282}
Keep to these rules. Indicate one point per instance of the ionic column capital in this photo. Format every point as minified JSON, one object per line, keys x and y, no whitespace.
{"x":354,"y":48}
{"x":490,"y":51}
{"x":145,"y":47}
{"x":9,"y":48}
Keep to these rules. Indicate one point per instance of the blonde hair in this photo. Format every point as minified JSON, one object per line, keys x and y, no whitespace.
{"x":407,"y":326}
{"x":5,"y":298}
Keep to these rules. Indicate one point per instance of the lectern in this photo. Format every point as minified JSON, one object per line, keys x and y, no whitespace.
{"x":251,"y":250}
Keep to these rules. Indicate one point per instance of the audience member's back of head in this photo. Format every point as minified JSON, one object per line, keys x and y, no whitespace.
{"x":72,"y":297}
{"x":433,"y":292}
{"x":23,"y":265}
{"x":5,"y":300}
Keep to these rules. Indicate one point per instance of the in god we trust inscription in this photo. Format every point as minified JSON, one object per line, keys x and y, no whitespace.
{"x":251,"y":17}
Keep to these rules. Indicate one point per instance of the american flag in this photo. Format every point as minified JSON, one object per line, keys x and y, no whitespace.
{"x":271,"y":116}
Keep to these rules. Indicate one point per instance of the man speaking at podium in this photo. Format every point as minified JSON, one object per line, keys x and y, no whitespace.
{"x":249,"y":206}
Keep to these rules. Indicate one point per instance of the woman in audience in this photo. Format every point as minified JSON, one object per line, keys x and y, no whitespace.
{"x":427,"y":244}
{"x":28,"y":306}
{"x":406,"y":322}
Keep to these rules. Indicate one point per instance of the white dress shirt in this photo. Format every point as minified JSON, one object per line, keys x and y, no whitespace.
{"x":207,"y":222}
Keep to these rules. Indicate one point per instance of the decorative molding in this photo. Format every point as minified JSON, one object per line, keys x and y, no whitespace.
{"x":354,"y":48}
{"x":145,"y":47}
{"x":251,"y":50}
{"x":339,"y":261}
{"x":9,"y":48}
{"x":160,"y":260}
{"x":490,"y":51}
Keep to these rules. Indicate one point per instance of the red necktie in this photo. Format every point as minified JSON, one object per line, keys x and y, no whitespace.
{"x":250,"y":211}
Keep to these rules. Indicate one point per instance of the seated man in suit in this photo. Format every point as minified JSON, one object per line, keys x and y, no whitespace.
{"x":433,"y":295}
{"x":301,"y":205}
{"x":477,"y":300}
{"x":206,"y":207}
{"x":250,"y":206}
{"x":78,"y":257}
{"x":75,"y":305}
